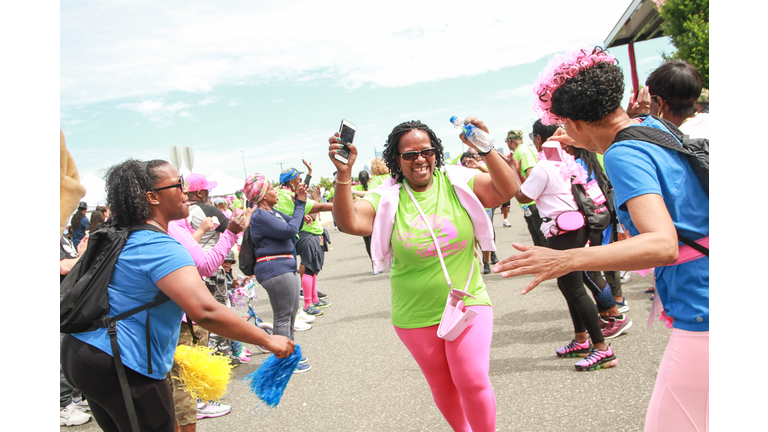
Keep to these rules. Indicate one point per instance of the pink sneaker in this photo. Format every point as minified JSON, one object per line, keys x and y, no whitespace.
{"x":575,"y":349}
{"x":613,"y":327}
{"x":597,"y":360}
{"x":247,"y":352}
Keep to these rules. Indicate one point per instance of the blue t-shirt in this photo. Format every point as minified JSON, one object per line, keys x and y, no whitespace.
{"x":638,"y":168}
{"x":78,"y":232}
{"x":147,"y":257}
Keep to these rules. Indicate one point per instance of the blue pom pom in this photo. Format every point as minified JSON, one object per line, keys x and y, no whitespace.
{"x":268,"y":382}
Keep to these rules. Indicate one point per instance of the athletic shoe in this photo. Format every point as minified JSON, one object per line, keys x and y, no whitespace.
{"x":597,"y":360}
{"x":72,"y":416}
{"x":613,"y":327}
{"x":321,"y":304}
{"x":626,"y":276}
{"x":486,"y":268}
{"x":321,"y":295}
{"x":303,"y":360}
{"x":374,"y":272}
{"x":311,"y":310}
{"x":300,"y":325}
{"x":506,"y":224}
{"x":234,"y":361}
{"x":494,"y":260}
{"x":302,"y":367}
{"x":81,"y":404}
{"x":247,"y":352}
{"x":243,"y":358}
{"x":575,"y":349}
{"x":303,"y":316}
{"x":212,"y":409}
{"x":623,"y":306}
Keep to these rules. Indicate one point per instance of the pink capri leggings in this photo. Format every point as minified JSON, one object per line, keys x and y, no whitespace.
{"x":680,"y":400}
{"x":457,"y":371}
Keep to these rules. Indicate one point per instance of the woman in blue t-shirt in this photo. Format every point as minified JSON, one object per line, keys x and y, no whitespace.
{"x":658,"y":197}
{"x":149,"y":193}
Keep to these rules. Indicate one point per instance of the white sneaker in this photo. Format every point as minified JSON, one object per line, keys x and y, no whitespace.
{"x":212,"y":409}
{"x":72,"y":416}
{"x":81,"y":404}
{"x":626,"y":276}
{"x":307,"y":318}
{"x":506,"y":224}
{"x":300,"y":325}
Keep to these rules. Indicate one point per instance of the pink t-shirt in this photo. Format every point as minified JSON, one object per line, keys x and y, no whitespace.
{"x":550,"y":190}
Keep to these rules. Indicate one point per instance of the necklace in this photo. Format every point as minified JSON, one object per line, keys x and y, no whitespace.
{"x":159,"y":225}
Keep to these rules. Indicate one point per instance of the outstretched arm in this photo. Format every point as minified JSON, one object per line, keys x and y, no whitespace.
{"x":656,"y":245}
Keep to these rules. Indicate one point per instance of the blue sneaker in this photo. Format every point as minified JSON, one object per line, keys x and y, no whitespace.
{"x":303,"y":360}
{"x":623,"y":306}
{"x":302,"y":367}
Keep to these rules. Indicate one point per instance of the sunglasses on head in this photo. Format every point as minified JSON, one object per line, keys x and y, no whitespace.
{"x":182,"y":184}
{"x":412,"y":155}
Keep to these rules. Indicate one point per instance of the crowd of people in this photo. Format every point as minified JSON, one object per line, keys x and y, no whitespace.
{"x":645,"y":197}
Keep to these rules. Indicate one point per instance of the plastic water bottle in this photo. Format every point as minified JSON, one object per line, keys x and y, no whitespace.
{"x":475,"y":135}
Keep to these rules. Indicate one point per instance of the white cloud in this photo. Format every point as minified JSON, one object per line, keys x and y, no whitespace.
{"x":157,"y":111}
{"x":138,"y":48}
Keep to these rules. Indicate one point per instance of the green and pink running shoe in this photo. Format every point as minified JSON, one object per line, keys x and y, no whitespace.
{"x":575,"y":349}
{"x":597,"y":359}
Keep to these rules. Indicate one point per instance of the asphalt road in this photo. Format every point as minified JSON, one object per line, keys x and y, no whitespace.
{"x":363,"y":378}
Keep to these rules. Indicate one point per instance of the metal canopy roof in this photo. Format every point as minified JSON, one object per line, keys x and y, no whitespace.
{"x":640,"y":22}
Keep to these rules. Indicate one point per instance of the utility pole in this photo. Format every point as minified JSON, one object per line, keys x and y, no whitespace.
{"x":245,"y":171}
{"x":281,"y":167}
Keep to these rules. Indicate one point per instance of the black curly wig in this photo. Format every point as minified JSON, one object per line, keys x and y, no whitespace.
{"x":590,"y":95}
{"x":392,"y":152}
{"x":127,"y":184}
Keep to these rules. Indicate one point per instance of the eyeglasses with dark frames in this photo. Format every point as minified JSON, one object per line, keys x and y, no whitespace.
{"x":181,"y":185}
{"x":531,"y":135}
{"x":412,"y":155}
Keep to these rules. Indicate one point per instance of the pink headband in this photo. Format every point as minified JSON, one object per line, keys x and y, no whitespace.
{"x":558,"y":70}
{"x":256,"y":187}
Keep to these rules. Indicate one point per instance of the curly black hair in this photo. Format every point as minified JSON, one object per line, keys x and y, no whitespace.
{"x":127,"y":184}
{"x":590,"y":95}
{"x":392,"y":151}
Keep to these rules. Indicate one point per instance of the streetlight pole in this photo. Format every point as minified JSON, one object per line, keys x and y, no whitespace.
{"x":245,"y":171}
{"x":281,"y":167}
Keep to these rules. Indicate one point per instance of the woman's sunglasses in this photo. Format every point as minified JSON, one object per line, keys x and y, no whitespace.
{"x":182,"y":184}
{"x":412,"y":155}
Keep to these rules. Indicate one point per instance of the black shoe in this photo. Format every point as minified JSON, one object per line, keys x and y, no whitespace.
{"x":321,"y":295}
{"x":486,"y":268}
{"x":494,"y":260}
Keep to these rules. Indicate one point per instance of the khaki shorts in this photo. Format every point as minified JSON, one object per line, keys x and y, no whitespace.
{"x":184,"y":404}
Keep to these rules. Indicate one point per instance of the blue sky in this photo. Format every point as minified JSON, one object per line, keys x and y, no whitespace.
{"x":262,"y":84}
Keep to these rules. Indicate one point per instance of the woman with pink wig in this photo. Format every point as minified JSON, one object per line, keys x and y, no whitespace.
{"x":659,"y":199}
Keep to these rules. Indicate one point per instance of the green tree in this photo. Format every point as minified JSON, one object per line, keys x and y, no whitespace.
{"x":686,"y":22}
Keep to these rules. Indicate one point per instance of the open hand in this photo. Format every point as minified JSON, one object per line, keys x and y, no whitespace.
{"x":542,"y":263}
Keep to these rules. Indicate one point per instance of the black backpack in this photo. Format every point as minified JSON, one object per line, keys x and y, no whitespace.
{"x":597,"y":216}
{"x":696,"y":151}
{"x":84,"y":303}
{"x":246,"y":260}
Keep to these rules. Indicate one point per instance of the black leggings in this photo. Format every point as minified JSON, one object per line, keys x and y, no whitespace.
{"x":583,"y":310}
{"x":93,"y":372}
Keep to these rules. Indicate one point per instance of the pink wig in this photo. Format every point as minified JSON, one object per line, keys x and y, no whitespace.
{"x":558,"y":70}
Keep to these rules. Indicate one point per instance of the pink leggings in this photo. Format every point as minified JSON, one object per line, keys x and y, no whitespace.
{"x":680,"y":400}
{"x":457,"y":372}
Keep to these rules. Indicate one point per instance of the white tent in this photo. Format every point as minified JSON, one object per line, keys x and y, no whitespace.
{"x":94,"y":191}
{"x":226,"y":184}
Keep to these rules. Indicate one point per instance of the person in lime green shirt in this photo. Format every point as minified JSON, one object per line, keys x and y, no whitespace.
{"x":526,"y":158}
{"x":311,"y":244}
{"x":456,"y":371}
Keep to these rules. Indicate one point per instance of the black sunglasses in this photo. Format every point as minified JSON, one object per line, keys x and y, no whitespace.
{"x":181,"y":185}
{"x":412,"y":155}
{"x":531,"y":135}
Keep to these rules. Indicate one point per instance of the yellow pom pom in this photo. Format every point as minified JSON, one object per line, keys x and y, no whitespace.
{"x":203,"y":374}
